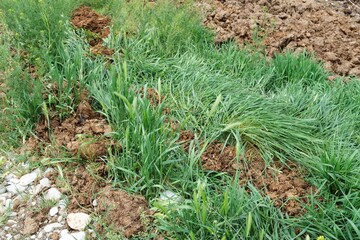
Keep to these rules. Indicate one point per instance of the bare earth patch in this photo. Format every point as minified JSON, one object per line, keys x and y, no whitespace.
{"x":82,"y":134}
{"x":120,"y":210}
{"x":285,"y":185}
{"x":294,"y":25}
{"x":86,"y":18}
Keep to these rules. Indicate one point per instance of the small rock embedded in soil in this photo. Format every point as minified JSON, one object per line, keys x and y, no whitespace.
{"x":53,"y":211}
{"x":27,"y":179}
{"x":72,"y":236}
{"x":52,"y":226}
{"x":53,"y":194}
{"x":78,"y":221}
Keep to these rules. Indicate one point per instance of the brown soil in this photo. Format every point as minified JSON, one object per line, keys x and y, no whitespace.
{"x":292,"y":25}
{"x":285,"y":185}
{"x":82,"y":134}
{"x":118,"y":209}
{"x":86,"y":18}
{"x":122,"y":211}
{"x":152,"y":95}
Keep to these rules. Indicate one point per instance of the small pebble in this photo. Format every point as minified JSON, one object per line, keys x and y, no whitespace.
{"x":53,"y":211}
{"x":45,"y":182}
{"x":52,"y":226}
{"x":53,"y":194}
{"x":27,"y":179}
{"x":94,"y":203}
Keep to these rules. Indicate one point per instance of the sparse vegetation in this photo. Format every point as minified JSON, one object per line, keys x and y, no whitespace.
{"x":284,"y":106}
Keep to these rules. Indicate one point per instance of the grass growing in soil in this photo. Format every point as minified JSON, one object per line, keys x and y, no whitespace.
{"x":284,"y":106}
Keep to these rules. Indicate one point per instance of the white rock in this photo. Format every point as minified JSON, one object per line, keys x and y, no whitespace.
{"x":2,"y":209}
{"x":72,"y":236}
{"x":62,"y":204}
{"x":11,"y":222}
{"x":27,"y":179}
{"x":8,"y":203}
{"x":40,"y":235}
{"x":15,"y":188}
{"x":52,"y":226}
{"x":32,"y":237}
{"x":53,"y":194}
{"x":170,"y":196}
{"x":60,"y":218}
{"x":13,"y":214}
{"x":37,"y":172}
{"x":6,"y":195}
{"x":64,"y":232}
{"x":8,"y":236}
{"x":14,"y":180}
{"x":10,"y":176}
{"x":35,"y":189}
{"x":53,"y":211}
{"x":78,"y":235}
{"x":49,"y":170}
{"x":78,"y":221}
{"x":45,"y":182}
{"x":2,"y":189}
{"x":94,"y":203}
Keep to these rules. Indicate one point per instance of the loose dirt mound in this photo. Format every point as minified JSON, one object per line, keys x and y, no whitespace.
{"x":123,"y":211}
{"x":285,"y":185}
{"x":291,"y":25}
{"x":86,"y":18}
{"x":119,"y":209}
{"x":83,"y":133}
{"x":98,"y":25}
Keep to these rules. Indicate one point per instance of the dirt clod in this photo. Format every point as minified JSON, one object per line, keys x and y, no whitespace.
{"x":119,"y":209}
{"x":98,"y":25}
{"x":122,"y":211}
{"x":86,"y":18}
{"x":281,"y":25}
{"x":285,"y":185}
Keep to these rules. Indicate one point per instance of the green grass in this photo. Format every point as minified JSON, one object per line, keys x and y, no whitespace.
{"x":285,"y":106}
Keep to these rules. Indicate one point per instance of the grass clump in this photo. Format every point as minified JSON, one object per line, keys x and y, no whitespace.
{"x":285,"y":107}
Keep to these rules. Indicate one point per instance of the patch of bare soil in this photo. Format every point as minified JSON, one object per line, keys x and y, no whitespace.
{"x":285,"y":185}
{"x":291,"y":25}
{"x":98,"y":25}
{"x":82,"y":134}
{"x":120,"y":210}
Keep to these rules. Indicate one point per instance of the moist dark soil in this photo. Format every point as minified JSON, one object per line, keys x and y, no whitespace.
{"x":284,"y":185}
{"x":98,"y":25}
{"x":329,"y":29}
